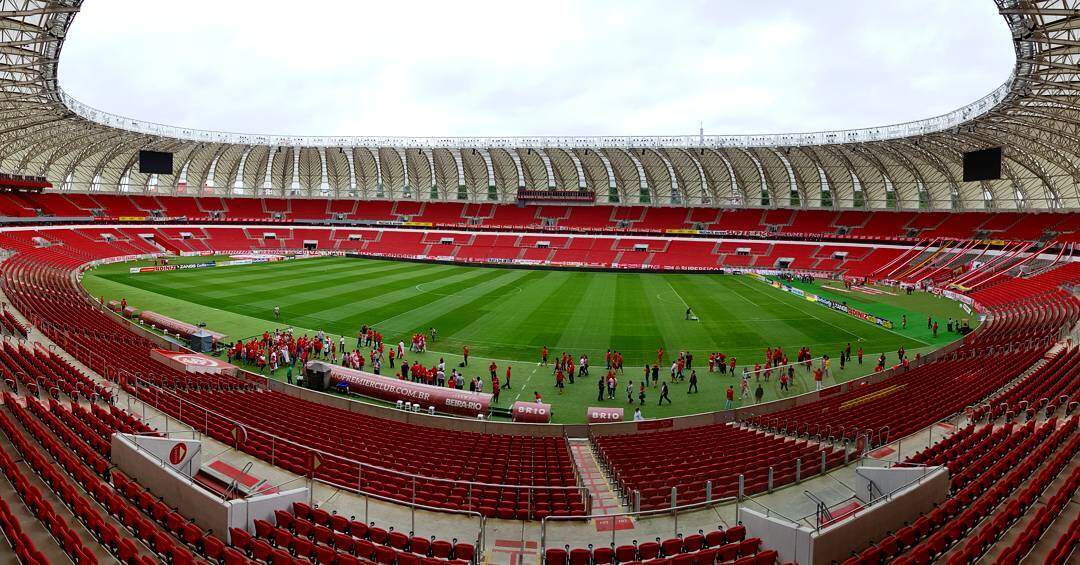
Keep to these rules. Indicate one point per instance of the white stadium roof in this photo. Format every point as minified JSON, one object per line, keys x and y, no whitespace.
{"x":1034,"y":115}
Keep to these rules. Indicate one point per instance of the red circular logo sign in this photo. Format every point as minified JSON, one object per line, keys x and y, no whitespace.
{"x":196,"y":360}
{"x":177,"y":453}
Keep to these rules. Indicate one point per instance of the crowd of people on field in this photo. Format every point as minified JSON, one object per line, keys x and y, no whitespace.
{"x":281,"y":350}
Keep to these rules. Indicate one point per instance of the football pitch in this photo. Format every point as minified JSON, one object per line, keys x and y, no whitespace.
{"x":508,"y":315}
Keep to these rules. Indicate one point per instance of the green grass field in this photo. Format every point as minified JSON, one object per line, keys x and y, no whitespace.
{"x":509,"y":314}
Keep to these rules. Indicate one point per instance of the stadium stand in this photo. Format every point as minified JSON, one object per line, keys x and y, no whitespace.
{"x":522,"y":477}
{"x":995,"y":478}
{"x":1025,"y":316}
{"x":886,"y":205}
{"x":650,"y":465}
{"x":717,"y":546}
{"x":821,"y":224}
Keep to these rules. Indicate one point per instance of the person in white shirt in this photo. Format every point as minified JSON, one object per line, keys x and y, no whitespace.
{"x":637,"y":415}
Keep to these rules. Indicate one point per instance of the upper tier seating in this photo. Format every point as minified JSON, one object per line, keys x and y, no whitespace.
{"x":822,"y":223}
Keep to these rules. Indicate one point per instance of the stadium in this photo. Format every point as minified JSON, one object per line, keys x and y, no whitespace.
{"x":849,"y":346}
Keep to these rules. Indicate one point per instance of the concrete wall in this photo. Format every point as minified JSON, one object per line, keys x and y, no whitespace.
{"x":177,"y":490}
{"x":887,"y":480}
{"x":162,"y":449}
{"x":243,"y":512}
{"x":837,"y":542}
{"x":792,"y":541}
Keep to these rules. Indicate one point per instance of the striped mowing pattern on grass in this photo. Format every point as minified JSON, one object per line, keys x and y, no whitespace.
{"x":511,"y":313}
{"x":507,"y":315}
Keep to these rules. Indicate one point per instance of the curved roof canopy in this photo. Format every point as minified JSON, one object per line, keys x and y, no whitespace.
{"x":1034,"y":115}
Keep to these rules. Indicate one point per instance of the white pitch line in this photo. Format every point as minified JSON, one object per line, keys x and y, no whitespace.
{"x":857,"y":336}
{"x":525,"y":385}
{"x":676,"y":292}
{"x":864,"y":321}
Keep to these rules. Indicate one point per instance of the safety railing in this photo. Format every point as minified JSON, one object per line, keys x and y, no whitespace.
{"x":335,"y":470}
{"x":826,"y":518}
{"x":611,"y":521}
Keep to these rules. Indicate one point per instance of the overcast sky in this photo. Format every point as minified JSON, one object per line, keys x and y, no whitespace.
{"x":556,"y":67}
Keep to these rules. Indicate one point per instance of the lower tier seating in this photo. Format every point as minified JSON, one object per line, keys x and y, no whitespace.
{"x":651,"y":464}
{"x":997,"y":480}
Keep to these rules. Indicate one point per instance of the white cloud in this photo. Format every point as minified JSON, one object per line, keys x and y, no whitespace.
{"x":511,"y":68}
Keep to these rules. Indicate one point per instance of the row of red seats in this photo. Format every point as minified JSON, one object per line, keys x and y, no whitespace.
{"x":66,"y":537}
{"x":502,"y":476}
{"x":1055,"y":384}
{"x":305,"y":518}
{"x":119,"y":420}
{"x":906,"y":402}
{"x":1018,"y":507}
{"x":12,"y":325}
{"x":349,"y":542}
{"x":975,"y":494}
{"x":1066,"y":545}
{"x":42,"y":368}
{"x":957,"y":449}
{"x":717,"y":546}
{"x":482,"y":248}
{"x":652,"y":464}
{"x":852,"y":223}
{"x":853,"y":261}
{"x":146,"y":518}
{"x":25,"y":550}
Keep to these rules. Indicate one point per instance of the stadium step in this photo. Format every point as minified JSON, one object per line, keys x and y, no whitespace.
{"x":1057,"y":530}
{"x":1054,"y":350}
{"x":1009,"y":536}
{"x":604,"y":498}
{"x":37,"y":531}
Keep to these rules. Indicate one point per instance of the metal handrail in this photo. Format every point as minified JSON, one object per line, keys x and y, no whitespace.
{"x":338,"y":458}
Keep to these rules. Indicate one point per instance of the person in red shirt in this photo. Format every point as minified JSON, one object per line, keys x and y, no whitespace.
{"x":544,"y":355}
{"x":492,"y":368}
{"x":817,"y":378}
{"x":712,"y":361}
{"x":731,"y":363}
{"x":465,"y":354}
{"x":506,"y":385}
{"x":495,"y":387}
{"x":660,"y":356}
{"x":729,"y":396}
{"x":559,"y":378}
